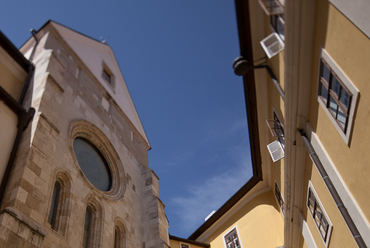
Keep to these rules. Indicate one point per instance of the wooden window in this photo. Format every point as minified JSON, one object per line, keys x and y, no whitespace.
{"x":335,"y":95}
{"x":232,"y":239}
{"x":279,"y":199}
{"x":107,"y":76}
{"x":319,"y":217}
{"x":54,"y":205}
{"x":184,"y":246}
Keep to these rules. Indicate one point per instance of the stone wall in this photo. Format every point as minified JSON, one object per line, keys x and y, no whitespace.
{"x":70,"y":103}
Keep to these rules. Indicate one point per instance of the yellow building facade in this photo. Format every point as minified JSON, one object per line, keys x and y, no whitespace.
{"x":304,"y":67}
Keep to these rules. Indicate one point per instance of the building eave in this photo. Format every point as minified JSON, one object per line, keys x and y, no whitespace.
{"x":8,"y":46}
{"x":244,"y":30}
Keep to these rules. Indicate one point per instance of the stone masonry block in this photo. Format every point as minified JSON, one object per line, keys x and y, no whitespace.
{"x":24,"y":231}
{"x":22,"y":195}
{"x":4,"y":232}
{"x":10,"y":223}
{"x":36,"y":239}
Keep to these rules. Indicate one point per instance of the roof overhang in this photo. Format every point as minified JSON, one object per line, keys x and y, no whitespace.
{"x":244,"y":30}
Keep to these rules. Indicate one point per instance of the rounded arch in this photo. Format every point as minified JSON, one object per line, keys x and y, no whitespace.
{"x":119,"y":234}
{"x":93,"y":228}
{"x":61,"y":208}
{"x":86,"y":130}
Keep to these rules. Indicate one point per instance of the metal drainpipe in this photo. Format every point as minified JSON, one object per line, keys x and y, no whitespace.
{"x":333,"y":191}
{"x":33,"y":32}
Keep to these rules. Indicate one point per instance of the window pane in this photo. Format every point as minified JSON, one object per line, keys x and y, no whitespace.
{"x":280,"y":26}
{"x":344,"y":97}
{"x":335,"y":86}
{"x":54,"y":205}
{"x":236,"y":243}
{"x":233,"y":234}
{"x":228,"y":238}
{"x":325,"y":73}
{"x":341,"y":117}
{"x":92,"y":164}
{"x":333,"y":105}
{"x":323,"y":92}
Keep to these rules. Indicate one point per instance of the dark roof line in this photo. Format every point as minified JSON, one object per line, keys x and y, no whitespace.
{"x":14,"y":52}
{"x":49,"y":21}
{"x":190,"y":241}
{"x":244,"y":30}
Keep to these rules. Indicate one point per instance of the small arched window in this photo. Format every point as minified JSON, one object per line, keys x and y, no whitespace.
{"x":60,"y":204}
{"x":54,"y":205}
{"x":119,"y":235}
{"x":93,"y":225}
{"x":87,"y":227}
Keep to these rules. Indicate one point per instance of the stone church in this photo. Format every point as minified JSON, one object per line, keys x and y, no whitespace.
{"x":80,"y":177}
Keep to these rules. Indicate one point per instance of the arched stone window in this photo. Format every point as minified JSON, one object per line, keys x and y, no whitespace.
{"x":119,"y":235}
{"x":60,"y":205}
{"x":97,"y":160}
{"x":54,"y":205}
{"x":93,"y":224}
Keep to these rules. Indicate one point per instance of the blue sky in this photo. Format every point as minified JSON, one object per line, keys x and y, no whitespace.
{"x":176,"y":57}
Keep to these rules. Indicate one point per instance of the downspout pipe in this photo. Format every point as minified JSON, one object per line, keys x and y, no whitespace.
{"x":24,"y":118}
{"x":333,"y":191}
{"x":33,"y":32}
{"x":241,"y":68}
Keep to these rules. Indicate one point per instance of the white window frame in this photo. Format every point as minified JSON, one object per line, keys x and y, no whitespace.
{"x":237,"y":232}
{"x":330,"y":228}
{"x":181,"y":243}
{"x":350,"y":86}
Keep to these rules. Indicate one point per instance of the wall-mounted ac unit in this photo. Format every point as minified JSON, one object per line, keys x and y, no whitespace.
{"x":272,"y":45}
{"x":276,"y":150}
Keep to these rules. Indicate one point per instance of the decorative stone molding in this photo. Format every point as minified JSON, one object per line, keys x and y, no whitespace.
{"x":119,"y":234}
{"x":85,"y":129}
{"x":97,"y":227}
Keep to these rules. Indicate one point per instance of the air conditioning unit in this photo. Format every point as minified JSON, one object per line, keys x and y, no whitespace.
{"x":276,"y":150}
{"x":272,"y":45}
